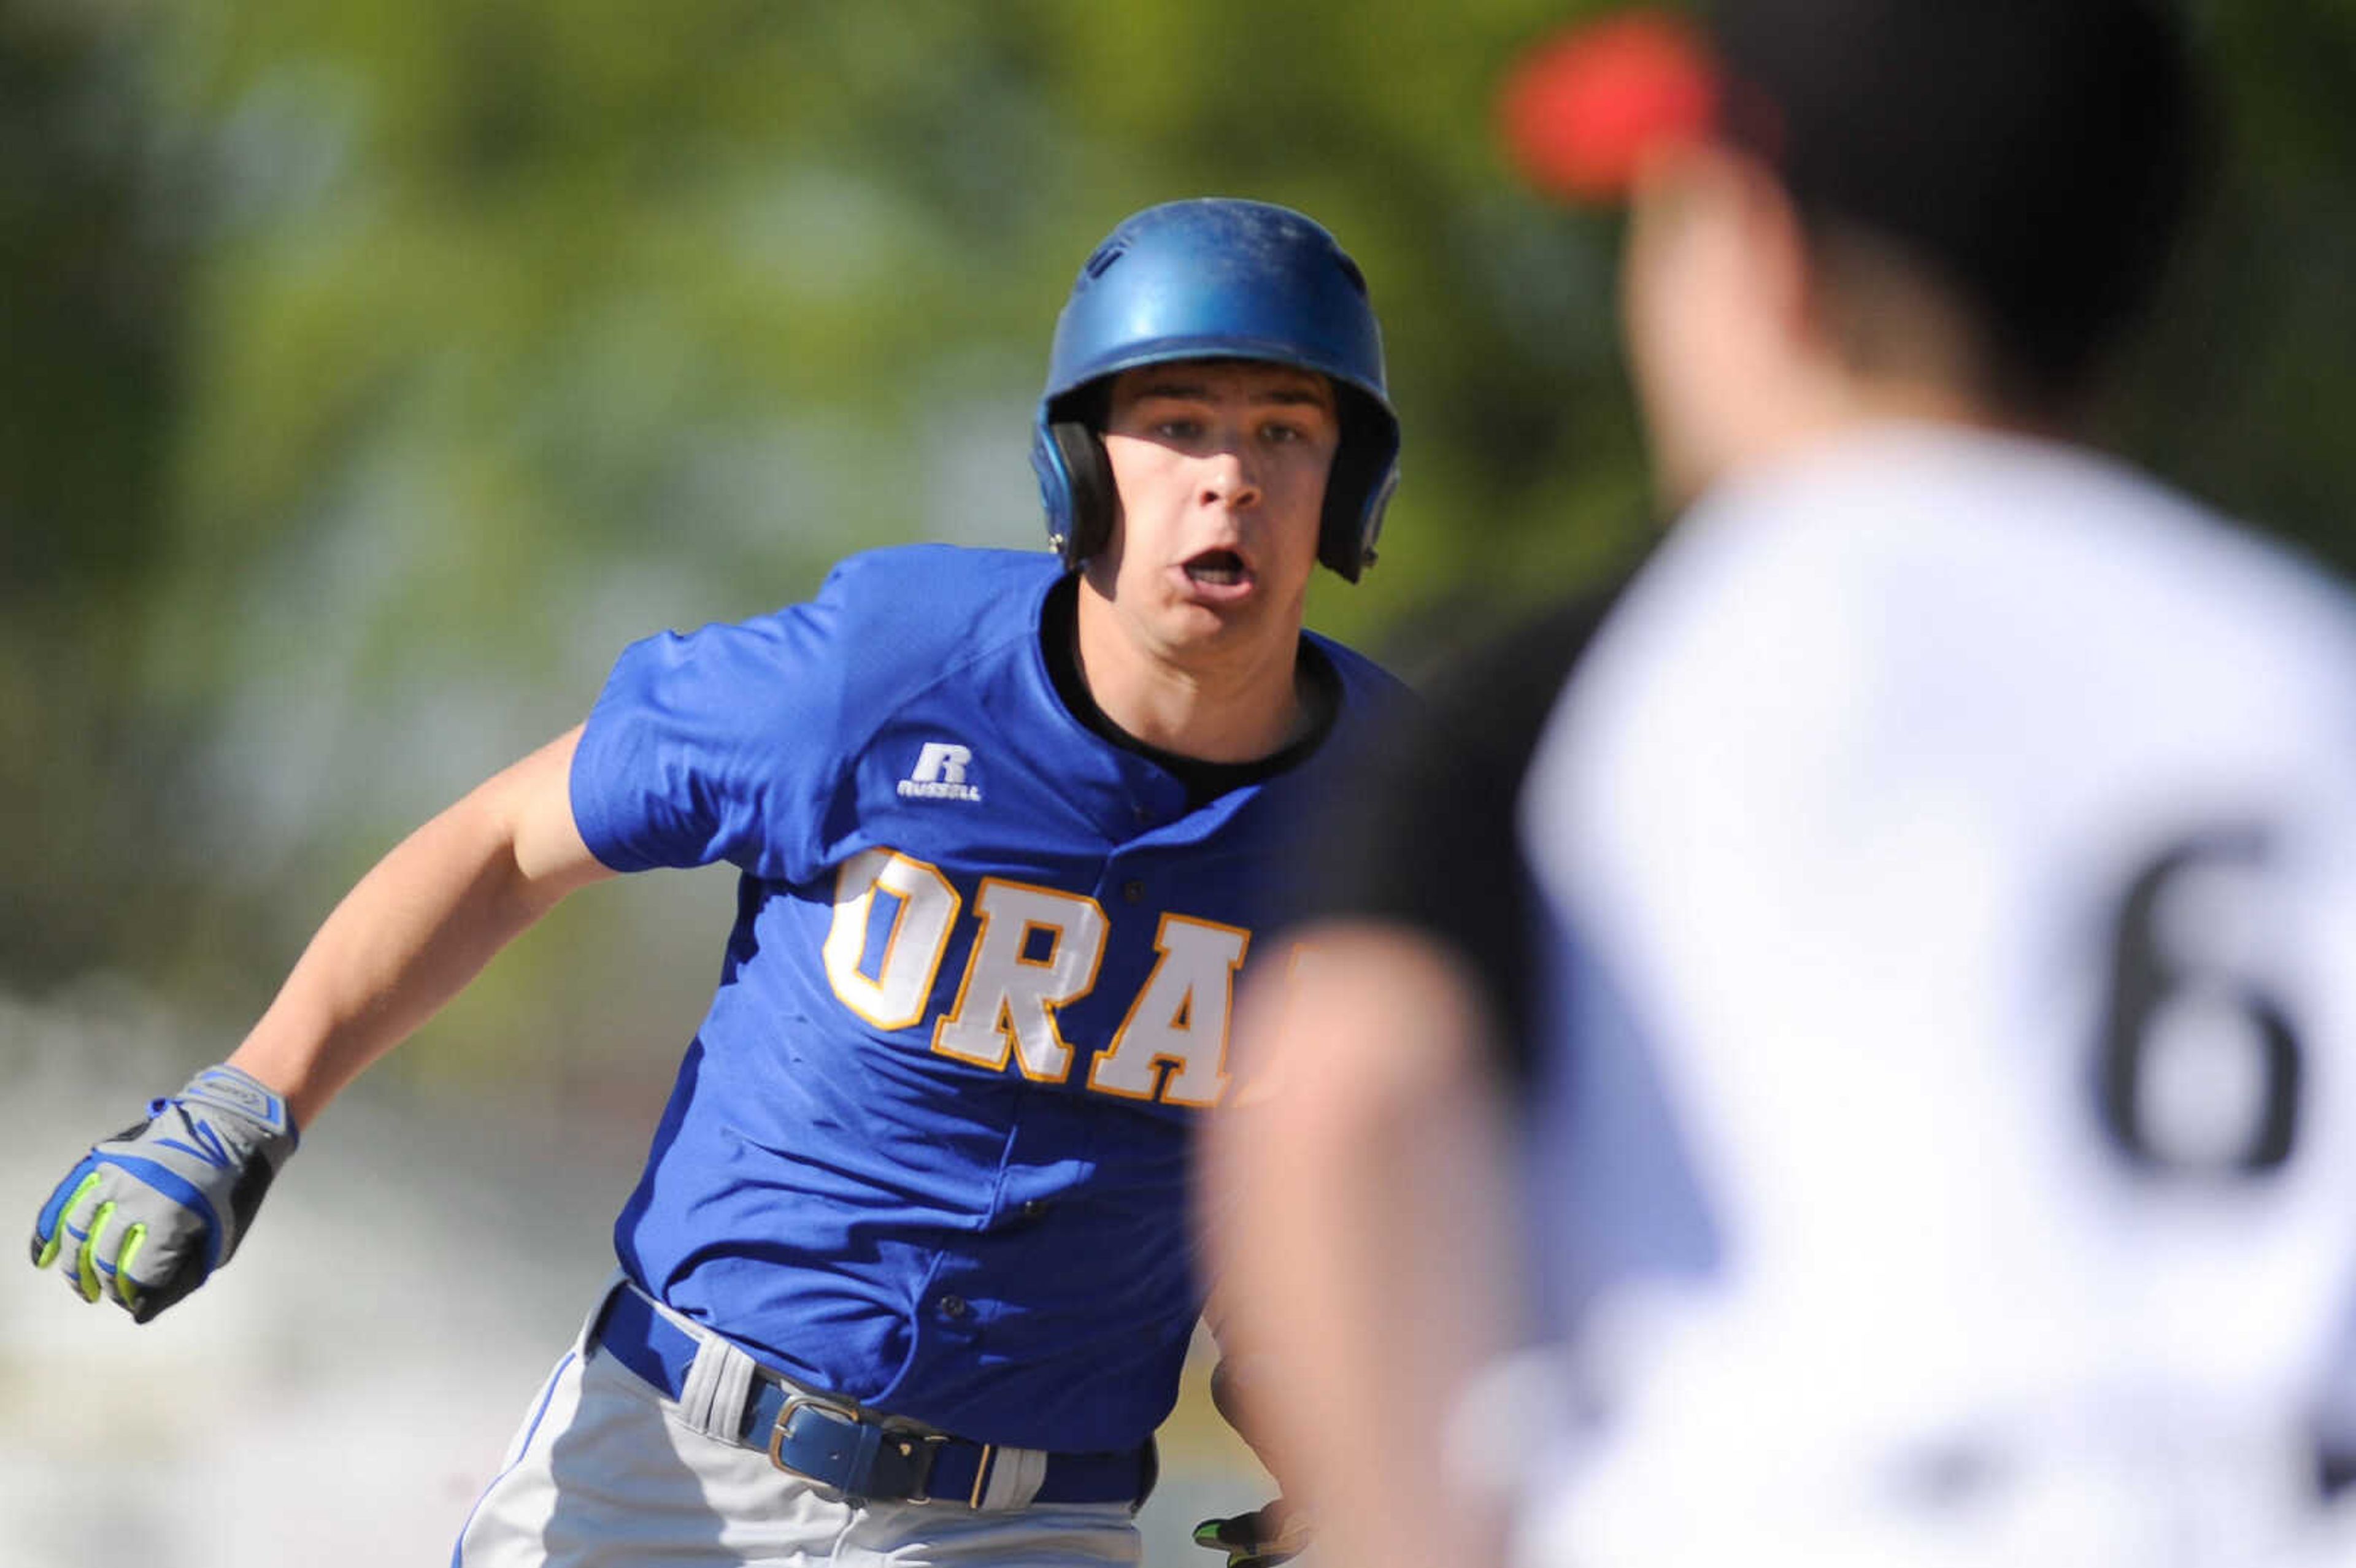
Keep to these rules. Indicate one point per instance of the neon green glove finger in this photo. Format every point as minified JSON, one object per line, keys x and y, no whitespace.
{"x":56,"y":1241}
{"x":86,"y":1258}
{"x":124,"y":1291}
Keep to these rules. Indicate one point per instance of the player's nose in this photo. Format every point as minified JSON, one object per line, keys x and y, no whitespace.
{"x":1229,"y":478}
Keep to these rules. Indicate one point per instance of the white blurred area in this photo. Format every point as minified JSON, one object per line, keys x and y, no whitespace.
{"x":342,"y":1391}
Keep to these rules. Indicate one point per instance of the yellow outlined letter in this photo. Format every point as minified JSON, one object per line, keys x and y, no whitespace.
{"x":1008,"y":1001}
{"x":1180,"y":1020}
{"x":928,"y":906}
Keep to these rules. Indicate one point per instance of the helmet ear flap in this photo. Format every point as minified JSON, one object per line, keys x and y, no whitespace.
{"x":1365,"y":472}
{"x":1095,"y":499}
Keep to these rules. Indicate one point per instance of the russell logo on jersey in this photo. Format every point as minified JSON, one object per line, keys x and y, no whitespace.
{"x":939,"y":773}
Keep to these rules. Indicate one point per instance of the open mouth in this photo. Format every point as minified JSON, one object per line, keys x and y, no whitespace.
{"x":1218,"y":568}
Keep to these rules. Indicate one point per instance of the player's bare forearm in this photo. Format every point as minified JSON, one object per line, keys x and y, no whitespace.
{"x":419,"y":926}
{"x":1358,"y":1216}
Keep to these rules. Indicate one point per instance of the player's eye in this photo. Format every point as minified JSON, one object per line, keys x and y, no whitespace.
{"x":1295,"y":431}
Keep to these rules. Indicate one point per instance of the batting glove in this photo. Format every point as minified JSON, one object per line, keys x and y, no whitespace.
{"x":1260,"y":1538}
{"x":148,"y":1214}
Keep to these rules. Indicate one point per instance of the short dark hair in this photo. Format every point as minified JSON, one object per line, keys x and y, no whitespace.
{"x":2037,"y":157}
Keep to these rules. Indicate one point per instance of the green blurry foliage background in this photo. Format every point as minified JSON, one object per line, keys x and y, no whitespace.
{"x":374,"y":371}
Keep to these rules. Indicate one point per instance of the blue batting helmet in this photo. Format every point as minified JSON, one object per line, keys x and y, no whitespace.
{"x":1217,"y":279}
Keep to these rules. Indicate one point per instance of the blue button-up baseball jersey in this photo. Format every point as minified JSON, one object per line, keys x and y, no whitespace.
{"x":928,"y":1149}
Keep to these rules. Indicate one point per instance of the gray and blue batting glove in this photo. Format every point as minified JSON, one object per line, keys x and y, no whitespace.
{"x":148,"y":1214}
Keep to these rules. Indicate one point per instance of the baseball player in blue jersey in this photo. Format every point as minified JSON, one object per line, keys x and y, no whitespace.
{"x":907,"y":1277}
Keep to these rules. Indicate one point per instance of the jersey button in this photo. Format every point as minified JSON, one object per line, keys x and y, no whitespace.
{"x":1132,"y":892}
{"x":953,"y":1306}
{"x":1143,"y":813}
{"x":1032,"y":1208}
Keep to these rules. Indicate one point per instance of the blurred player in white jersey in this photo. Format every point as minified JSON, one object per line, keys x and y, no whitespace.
{"x":1889,"y":1025}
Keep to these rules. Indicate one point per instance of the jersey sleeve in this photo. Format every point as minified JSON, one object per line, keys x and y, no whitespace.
{"x":1429,"y":842}
{"x":717,"y":744}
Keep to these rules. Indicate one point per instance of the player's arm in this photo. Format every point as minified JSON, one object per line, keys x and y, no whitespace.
{"x":1358,"y":1220}
{"x":1359,"y":1206}
{"x":148,"y":1214}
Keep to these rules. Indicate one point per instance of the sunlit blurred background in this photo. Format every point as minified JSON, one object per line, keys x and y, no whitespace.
{"x":374,"y":371}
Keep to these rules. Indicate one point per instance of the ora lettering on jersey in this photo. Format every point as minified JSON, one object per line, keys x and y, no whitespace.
{"x":1037,"y":949}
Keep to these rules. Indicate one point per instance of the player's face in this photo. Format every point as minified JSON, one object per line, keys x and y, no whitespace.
{"x":1221,"y":467}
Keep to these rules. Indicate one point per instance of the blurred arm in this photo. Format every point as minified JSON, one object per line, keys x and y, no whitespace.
{"x":419,"y":926}
{"x":1358,"y":1208}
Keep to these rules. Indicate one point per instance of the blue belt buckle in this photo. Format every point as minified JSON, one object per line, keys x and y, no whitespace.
{"x":798,"y":1403}
{"x":858,"y":1468}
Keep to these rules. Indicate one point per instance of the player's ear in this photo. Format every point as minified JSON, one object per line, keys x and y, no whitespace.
{"x":1768,"y":232}
{"x":1713,"y":301}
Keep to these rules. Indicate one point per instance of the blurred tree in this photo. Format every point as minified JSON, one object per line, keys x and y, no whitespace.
{"x":93,"y":262}
{"x":2244,"y":388}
